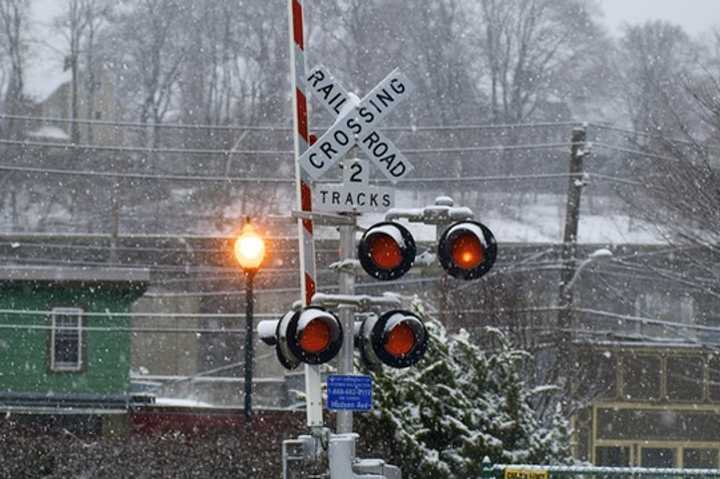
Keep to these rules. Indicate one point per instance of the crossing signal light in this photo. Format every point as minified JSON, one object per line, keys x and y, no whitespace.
{"x":311,"y":336}
{"x":397,"y":339}
{"x":386,"y":251}
{"x":467,"y":250}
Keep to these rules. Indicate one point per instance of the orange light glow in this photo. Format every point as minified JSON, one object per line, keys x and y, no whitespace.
{"x":315,"y":338}
{"x":467,"y":251}
{"x":249,"y":248}
{"x":384,"y":251}
{"x":400,"y":341}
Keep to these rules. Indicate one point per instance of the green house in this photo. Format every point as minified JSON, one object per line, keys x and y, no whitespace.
{"x":65,"y":337}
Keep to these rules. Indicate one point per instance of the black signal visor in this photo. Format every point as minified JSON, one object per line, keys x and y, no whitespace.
{"x":467,"y":250}
{"x":387,"y":251}
{"x":311,"y":336}
{"x":397,"y":339}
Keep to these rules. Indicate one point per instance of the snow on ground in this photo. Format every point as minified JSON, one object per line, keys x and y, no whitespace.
{"x":541,"y":222}
{"x":181,"y":402}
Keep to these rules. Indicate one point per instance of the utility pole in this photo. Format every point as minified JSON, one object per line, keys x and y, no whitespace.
{"x":578,"y":150}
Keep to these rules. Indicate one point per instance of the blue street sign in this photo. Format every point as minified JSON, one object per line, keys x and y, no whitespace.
{"x":349,"y":393}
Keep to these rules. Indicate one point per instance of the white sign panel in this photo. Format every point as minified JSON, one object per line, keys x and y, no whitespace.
{"x":356,"y":123}
{"x":355,"y":194}
{"x":364,"y":199}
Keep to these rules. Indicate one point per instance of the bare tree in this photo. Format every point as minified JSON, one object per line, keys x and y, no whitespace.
{"x":97,"y":13}
{"x":13,"y":25}
{"x":148,"y":65}
{"x":652,"y":60}
{"x":676,"y":169}
{"x":80,"y":24}
{"x":530,"y":48}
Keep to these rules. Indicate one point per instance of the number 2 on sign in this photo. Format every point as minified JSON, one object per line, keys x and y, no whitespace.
{"x":356,"y":172}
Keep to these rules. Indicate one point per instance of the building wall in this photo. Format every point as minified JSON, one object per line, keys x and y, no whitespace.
{"x":652,"y":406}
{"x":25,"y":353}
{"x":165,"y":353}
{"x":102,"y":107}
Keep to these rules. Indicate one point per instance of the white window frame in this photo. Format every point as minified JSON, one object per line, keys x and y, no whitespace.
{"x":62,"y":366}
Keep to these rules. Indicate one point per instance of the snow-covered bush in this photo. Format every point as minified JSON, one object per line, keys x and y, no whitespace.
{"x":442,"y":416}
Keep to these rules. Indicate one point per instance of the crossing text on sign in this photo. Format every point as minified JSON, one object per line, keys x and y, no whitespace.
{"x":356,"y":124}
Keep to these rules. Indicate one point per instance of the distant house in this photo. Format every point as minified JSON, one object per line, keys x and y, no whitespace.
{"x":97,"y":105}
{"x":65,"y":342}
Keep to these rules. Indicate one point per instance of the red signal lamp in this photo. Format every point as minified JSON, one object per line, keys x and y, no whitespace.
{"x":386,"y":251}
{"x":397,"y":339}
{"x":311,"y":336}
{"x":467,"y":250}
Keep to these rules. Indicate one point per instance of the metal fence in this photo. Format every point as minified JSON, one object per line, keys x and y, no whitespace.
{"x":520,"y":471}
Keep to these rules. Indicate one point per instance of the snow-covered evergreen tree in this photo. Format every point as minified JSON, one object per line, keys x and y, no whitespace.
{"x":442,"y":416}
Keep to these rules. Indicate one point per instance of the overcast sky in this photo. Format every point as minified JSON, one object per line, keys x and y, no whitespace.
{"x":695,"y":16}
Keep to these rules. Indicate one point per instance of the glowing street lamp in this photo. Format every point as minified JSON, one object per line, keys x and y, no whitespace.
{"x":249,"y":248}
{"x":249,"y":251}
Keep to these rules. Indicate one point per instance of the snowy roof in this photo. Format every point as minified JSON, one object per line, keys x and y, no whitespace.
{"x":50,"y":132}
{"x":60,"y":273}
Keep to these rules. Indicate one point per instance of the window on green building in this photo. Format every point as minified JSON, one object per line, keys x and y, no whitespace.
{"x":66,"y":340}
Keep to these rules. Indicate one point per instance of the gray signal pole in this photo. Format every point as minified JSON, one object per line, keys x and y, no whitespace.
{"x":347,"y":317}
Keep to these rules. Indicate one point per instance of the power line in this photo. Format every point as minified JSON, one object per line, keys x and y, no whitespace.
{"x":480,"y":179}
{"x":131,"y":124}
{"x":141,"y":149}
{"x":230,"y":179}
{"x":614,"y":179}
{"x":633,"y":152}
{"x":200,"y":151}
{"x":282,"y":128}
{"x":188,"y":250}
{"x":606,"y":314}
{"x":656,"y":322}
{"x":293,"y":290}
{"x":115,"y":329}
{"x":647,"y":135}
{"x":136,"y":314}
{"x":496,"y":148}
{"x":144,"y":176}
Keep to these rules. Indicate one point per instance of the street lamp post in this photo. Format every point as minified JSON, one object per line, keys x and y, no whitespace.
{"x":598,"y":254}
{"x":249,"y":252}
{"x":565,"y":314}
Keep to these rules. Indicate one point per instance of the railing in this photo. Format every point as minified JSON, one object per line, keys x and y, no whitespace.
{"x":522,"y":471}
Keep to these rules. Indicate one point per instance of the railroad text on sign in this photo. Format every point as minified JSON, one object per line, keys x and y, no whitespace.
{"x":356,"y":124}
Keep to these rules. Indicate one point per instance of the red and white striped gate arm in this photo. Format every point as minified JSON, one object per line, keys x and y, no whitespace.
{"x":302,"y":141}
{"x":308,"y":278}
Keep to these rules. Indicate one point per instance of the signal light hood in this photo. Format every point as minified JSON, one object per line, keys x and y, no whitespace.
{"x":397,"y":339}
{"x":467,"y":250}
{"x":386,"y":251}
{"x":312,"y":336}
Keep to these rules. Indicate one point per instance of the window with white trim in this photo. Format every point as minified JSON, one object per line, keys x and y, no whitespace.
{"x":66,"y":341}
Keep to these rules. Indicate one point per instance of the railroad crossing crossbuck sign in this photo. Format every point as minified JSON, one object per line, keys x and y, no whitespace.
{"x":356,"y":124}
